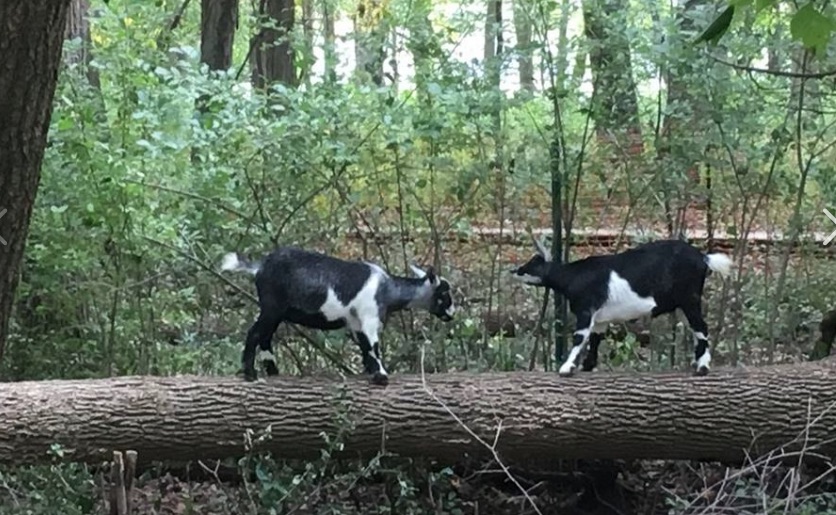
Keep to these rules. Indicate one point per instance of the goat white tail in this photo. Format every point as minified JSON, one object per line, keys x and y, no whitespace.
{"x":719,"y":263}
{"x":233,"y":262}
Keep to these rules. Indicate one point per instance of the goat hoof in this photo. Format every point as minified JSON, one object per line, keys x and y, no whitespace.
{"x":380,"y":379}
{"x":249,"y":376}
{"x":702,"y":371}
{"x":566,"y":371}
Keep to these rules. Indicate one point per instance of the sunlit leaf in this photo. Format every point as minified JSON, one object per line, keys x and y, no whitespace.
{"x":812,"y":28}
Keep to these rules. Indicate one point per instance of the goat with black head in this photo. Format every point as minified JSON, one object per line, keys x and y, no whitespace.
{"x":324,"y":292}
{"x":649,"y":280}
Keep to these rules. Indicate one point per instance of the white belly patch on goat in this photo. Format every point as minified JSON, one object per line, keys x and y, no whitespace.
{"x":362,"y":305}
{"x":622,"y":302}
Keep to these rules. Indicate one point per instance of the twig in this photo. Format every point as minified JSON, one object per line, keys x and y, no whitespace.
{"x":175,"y":22}
{"x":214,"y":474}
{"x":189,"y":194}
{"x":491,"y":448}
{"x":768,"y":464}
{"x":778,"y":73}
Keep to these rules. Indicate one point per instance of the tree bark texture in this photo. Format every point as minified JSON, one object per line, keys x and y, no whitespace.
{"x":218,"y":21}
{"x":687,"y":116}
{"x":79,"y":27}
{"x":330,"y":37}
{"x":616,"y":109}
{"x":525,"y":61}
{"x":31,"y":40}
{"x":592,"y":416}
{"x":423,"y":45}
{"x":272,"y":58}
{"x":370,"y":33}
{"x":308,"y":17}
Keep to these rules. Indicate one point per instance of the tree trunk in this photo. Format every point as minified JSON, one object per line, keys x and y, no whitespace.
{"x":308,"y":32}
{"x":616,"y":110}
{"x":591,"y":416}
{"x":31,"y":41}
{"x":370,"y":33}
{"x":522,"y":28}
{"x":493,"y":41}
{"x":494,"y":46}
{"x":489,"y":50}
{"x":272,"y":58}
{"x":686,"y":115}
{"x":218,"y":21}
{"x":78,"y":27}
{"x":423,"y":45}
{"x":328,"y":15}
{"x":561,"y":58}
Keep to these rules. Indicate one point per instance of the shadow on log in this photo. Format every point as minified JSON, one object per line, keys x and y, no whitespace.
{"x":589,"y":416}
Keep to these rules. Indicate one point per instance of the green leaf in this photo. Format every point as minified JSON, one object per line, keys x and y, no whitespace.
{"x":760,"y":5}
{"x":812,"y":28}
{"x":718,"y":27}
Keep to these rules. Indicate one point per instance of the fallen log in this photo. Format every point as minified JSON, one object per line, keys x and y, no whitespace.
{"x":589,"y":416}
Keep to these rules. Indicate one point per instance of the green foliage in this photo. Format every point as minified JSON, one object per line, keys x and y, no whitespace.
{"x":812,"y":28}
{"x":141,"y":196}
{"x":45,"y":490}
{"x":808,"y":24}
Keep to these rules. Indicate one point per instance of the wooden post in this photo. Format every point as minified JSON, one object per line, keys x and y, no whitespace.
{"x":118,"y":503}
{"x":130,"y":472}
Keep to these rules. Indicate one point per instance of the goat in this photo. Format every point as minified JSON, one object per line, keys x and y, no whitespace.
{"x":651,"y":279}
{"x":827,"y":334}
{"x":325,"y":292}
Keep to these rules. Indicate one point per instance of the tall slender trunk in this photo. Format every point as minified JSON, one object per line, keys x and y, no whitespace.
{"x":307,"y":51}
{"x":218,"y":21}
{"x":561,"y":58}
{"x":522,"y":28}
{"x":30,"y":42}
{"x":616,"y":110}
{"x":422,"y":43}
{"x":272,"y":58}
{"x":328,"y":15}
{"x":78,"y":27}
{"x":683,"y":123}
{"x":370,"y":31}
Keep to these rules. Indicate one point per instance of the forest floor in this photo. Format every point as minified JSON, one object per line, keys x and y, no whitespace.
{"x":642,"y":487}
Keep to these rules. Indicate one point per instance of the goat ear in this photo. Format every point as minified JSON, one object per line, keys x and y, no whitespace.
{"x":432,"y":277}
{"x":541,"y":249}
{"x":417,"y":271}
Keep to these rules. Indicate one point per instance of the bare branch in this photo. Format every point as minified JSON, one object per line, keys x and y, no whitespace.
{"x":491,"y":448}
{"x":777,"y":73}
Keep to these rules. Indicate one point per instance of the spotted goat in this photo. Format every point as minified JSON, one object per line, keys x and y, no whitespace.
{"x":328,"y":293}
{"x":651,"y":279}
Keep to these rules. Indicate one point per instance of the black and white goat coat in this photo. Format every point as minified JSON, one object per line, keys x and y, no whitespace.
{"x":649,"y":280}
{"x":325,"y":292}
